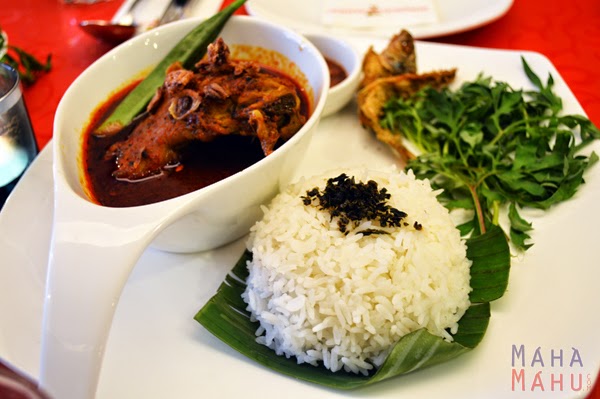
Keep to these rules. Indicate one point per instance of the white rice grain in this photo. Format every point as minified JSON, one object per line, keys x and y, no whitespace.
{"x":342,"y":301}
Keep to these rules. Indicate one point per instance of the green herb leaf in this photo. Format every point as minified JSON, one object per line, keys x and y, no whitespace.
{"x":225,"y":316}
{"x":487,"y":145}
{"x":516,"y":221}
{"x":28,"y":66}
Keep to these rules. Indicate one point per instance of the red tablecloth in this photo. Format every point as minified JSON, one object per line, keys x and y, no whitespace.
{"x":568,"y":33}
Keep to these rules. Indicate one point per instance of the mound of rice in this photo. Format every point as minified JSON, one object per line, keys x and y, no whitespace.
{"x":343,"y":300}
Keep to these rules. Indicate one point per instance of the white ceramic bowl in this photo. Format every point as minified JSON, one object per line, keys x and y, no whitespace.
{"x":94,"y":248}
{"x":346,"y":56}
{"x":223,"y":211}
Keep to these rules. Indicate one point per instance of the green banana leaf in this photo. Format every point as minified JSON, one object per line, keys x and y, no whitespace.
{"x":224,"y":315}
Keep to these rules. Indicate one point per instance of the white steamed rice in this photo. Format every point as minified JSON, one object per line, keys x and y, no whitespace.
{"x":344,"y":300}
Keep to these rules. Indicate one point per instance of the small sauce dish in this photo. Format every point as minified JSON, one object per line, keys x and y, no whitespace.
{"x":341,"y":54}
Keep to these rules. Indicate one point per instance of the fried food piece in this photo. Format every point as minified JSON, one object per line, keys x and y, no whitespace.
{"x":393,"y":74}
{"x":373,"y":98}
{"x":397,"y":58}
{"x":220,"y":97}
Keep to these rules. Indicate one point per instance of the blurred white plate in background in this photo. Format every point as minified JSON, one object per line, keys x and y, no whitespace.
{"x":453,"y":16}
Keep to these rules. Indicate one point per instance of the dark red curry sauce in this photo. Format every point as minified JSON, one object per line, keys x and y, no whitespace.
{"x":336,"y":72}
{"x":201,"y":163}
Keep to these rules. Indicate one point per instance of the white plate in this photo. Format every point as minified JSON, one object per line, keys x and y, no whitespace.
{"x":453,"y":16}
{"x":157,"y":350}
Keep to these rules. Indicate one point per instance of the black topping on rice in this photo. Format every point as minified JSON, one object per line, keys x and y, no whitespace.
{"x":353,"y":203}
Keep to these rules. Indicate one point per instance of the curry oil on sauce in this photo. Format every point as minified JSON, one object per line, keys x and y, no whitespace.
{"x":337,"y":73}
{"x":202,"y":163}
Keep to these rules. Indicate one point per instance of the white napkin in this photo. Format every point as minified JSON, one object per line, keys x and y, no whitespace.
{"x":359,"y":14}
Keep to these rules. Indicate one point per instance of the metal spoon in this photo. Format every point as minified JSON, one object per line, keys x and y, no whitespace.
{"x":114,"y":31}
{"x":123,"y":28}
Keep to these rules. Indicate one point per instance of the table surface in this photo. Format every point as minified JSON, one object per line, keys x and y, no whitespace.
{"x":568,"y":33}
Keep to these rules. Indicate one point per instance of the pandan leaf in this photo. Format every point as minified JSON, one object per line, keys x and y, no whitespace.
{"x":224,"y":315}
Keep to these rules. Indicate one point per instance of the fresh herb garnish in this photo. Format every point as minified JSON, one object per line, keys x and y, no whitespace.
{"x":488,"y":145}
{"x":353,"y":202}
{"x":28,"y":66}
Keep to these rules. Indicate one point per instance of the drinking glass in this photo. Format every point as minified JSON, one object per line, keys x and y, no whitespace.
{"x":17,"y":142}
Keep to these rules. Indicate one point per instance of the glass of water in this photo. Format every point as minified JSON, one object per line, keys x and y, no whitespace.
{"x":17,"y":142}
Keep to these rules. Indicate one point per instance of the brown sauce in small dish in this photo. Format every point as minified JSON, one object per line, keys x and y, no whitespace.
{"x":337,"y":73}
